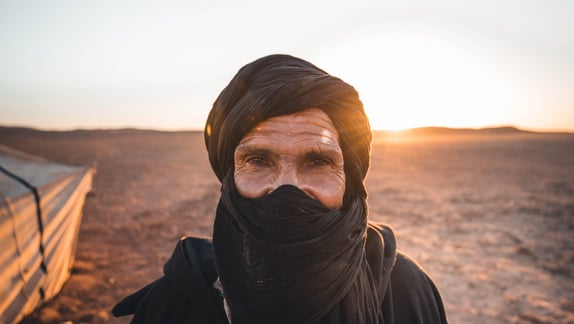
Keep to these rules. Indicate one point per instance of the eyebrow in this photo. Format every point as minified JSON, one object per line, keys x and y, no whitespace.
{"x":312,"y":153}
{"x":252,"y":149}
{"x":321,"y":153}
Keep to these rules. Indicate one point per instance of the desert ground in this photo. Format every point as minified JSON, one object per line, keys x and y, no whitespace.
{"x":489,"y":216}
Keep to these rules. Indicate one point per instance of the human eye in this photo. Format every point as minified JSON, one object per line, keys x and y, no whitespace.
{"x":258,"y":161}
{"x":319,"y":160}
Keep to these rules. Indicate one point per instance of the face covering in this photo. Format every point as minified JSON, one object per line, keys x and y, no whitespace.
{"x":286,"y":258}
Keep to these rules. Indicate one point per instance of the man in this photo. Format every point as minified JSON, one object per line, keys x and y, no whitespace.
{"x":291,"y":241}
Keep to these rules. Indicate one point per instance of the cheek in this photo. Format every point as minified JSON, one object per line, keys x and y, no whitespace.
{"x":329,"y":190}
{"x":250,"y":185}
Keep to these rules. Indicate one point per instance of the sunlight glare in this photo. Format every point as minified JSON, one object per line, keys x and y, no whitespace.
{"x":413,"y":77}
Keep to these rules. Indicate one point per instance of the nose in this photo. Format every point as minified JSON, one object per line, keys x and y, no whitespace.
{"x":287,"y":175}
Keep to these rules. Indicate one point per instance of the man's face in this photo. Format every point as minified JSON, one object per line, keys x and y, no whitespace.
{"x":300,"y":149}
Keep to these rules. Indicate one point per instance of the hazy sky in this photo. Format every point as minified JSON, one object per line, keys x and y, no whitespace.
{"x":151,"y":64}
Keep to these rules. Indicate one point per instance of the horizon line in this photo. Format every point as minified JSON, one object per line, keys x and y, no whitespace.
{"x":193,"y":129}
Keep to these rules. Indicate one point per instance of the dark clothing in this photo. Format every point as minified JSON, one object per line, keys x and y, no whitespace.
{"x":285,"y":255}
{"x":185,"y":293}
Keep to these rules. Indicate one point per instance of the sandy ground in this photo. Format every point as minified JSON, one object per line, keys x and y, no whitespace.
{"x":491,"y":218}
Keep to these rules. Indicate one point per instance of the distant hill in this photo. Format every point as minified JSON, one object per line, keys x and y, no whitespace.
{"x":7,"y":130}
{"x":414,"y":132}
{"x":445,"y":133}
{"x":434,"y":131}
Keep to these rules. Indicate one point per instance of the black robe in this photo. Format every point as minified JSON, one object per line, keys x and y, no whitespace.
{"x":185,"y":293}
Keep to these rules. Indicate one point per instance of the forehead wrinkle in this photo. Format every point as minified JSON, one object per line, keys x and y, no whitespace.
{"x":292,"y":127}
{"x":253,"y":148}
{"x":307,"y":128}
{"x":271,"y":137}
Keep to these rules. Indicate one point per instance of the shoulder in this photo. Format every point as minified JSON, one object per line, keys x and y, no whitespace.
{"x":409,"y":278}
{"x":415,"y":297}
{"x":183,"y":294}
{"x":410,"y":296}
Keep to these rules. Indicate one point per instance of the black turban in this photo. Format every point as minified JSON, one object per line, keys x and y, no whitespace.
{"x":285,"y":257}
{"x":279,"y":85}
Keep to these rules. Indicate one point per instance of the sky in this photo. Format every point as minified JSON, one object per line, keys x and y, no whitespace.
{"x":161,"y":64}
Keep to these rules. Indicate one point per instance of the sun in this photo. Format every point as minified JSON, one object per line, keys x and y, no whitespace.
{"x":411,"y":77}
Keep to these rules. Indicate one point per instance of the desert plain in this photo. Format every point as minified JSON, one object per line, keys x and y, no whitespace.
{"x":489,"y":215}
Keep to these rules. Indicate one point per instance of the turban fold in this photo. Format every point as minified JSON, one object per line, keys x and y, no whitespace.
{"x":285,"y":257}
